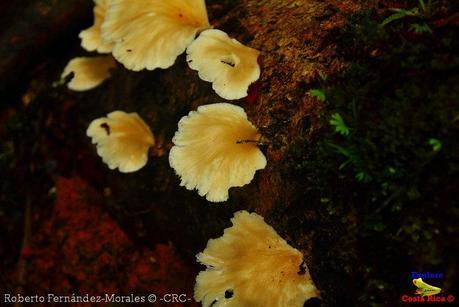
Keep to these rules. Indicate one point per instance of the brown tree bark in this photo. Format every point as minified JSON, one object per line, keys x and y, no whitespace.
{"x":32,"y":31}
{"x":293,"y":37}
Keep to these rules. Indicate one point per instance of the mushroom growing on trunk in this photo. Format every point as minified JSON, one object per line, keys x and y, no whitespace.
{"x":150,"y":34}
{"x":251,"y":265}
{"x":88,"y":72}
{"x":122,"y":139}
{"x":229,"y":65}
{"x":91,"y":38}
{"x":216,"y":149}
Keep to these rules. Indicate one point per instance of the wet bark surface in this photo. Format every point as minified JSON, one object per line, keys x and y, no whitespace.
{"x":32,"y":33}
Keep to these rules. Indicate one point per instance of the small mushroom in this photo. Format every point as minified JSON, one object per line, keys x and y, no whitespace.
{"x":229,"y":65}
{"x":122,"y":139}
{"x":251,"y":265}
{"x":91,"y":38}
{"x":150,"y":34}
{"x":216,"y":149}
{"x":88,"y":73}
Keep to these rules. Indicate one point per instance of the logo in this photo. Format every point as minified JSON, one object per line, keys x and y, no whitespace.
{"x":427,"y":292}
{"x":424,"y":289}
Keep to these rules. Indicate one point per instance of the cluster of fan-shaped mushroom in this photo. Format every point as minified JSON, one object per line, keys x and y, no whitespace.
{"x":151,"y":34}
{"x":214,"y":149}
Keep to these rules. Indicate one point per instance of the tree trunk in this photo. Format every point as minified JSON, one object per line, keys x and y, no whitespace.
{"x":296,"y":50}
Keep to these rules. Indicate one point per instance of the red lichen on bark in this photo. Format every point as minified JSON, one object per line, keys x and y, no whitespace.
{"x":81,"y":249}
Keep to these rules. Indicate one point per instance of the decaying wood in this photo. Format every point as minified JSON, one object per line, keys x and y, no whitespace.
{"x":31,"y":31}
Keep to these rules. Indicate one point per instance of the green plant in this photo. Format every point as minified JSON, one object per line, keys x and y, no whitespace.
{"x":317,"y":93}
{"x":340,"y":126}
{"x":399,"y":14}
{"x":422,"y":11}
{"x":420,"y":28}
{"x":436,"y":144}
{"x":396,"y":165}
{"x":355,"y":159}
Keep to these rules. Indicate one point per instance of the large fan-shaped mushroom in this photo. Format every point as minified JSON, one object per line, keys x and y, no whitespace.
{"x":122,"y":139}
{"x":229,"y":65}
{"x":216,"y":149}
{"x":251,"y":265}
{"x":150,"y":34}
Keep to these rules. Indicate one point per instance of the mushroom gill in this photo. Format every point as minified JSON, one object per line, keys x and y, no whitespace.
{"x":229,"y":65}
{"x":150,"y":34}
{"x":88,"y":72}
{"x":216,"y":149}
{"x":122,"y":139}
{"x":252,"y":266}
{"x":91,"y":38}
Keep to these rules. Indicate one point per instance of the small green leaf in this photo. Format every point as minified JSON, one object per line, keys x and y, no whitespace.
{"x":363,"y":177}
{"x":436,"y":144}
{"x":340,"y":126}
{"x":399,"y":14}
{"x":422,"y":5}
{"x":319,"y":94}
{"x":355,"y":159}
{"x":420,"y":28}
{"x":347,"y":152}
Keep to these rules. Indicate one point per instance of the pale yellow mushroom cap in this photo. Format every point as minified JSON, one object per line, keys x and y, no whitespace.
{"x":88,"y":72}
{"x":91,"y":38}
{"x":150,"y":34}
{"x":207,"y":155}
{"x":122,"y":139}
{"x":255,"y":266}
{"x":229,"y":65}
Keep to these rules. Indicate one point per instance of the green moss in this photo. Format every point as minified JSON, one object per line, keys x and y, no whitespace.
{"x":395,"y":169}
